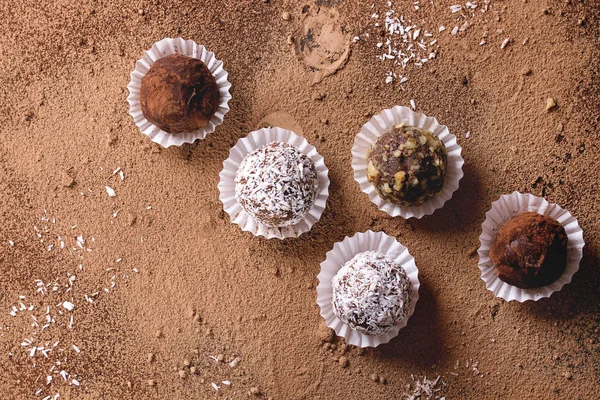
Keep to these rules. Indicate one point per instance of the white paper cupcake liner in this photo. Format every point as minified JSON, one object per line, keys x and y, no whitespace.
{"x":507,"y":207}
{"x":385,"y":122}
{"x":161,"y":49}
{"x":344,"y":251}
{"x":253,"y":141}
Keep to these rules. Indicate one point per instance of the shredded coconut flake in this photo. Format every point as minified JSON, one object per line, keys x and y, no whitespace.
{"x":371,"y":293}
{"x":277,"y":184}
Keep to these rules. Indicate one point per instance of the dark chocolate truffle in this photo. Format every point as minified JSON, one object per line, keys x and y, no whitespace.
{"x":277,"y":184}
{"x":179,"y":94}
{"x":407,"y":165}
{"x":371,"y":293}
{"x":530,"y":250}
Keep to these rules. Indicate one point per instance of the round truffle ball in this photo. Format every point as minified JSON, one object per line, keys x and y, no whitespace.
{"x":371,"y":293}
{"x":277,"y":184}
{"x":179,"y":94}
{"x":407,"y":165}
{"x":530,"y":250}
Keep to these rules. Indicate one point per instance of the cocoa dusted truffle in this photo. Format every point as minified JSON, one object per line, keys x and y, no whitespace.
{"x":179,"y":94}
{"x":371,"y":293}
{"x":530,"y":250}
{"x":276,"y":184}
{"x":407,"y":165}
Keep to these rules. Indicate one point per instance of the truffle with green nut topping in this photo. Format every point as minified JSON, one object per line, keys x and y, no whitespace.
{"x":407,"y":165}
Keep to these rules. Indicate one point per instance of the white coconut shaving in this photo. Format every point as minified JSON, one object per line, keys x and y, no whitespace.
{"x":276,"y":184}
{"x":371,"y":293}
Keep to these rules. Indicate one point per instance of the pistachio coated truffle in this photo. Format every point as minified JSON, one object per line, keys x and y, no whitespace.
{"x":407,"y":165}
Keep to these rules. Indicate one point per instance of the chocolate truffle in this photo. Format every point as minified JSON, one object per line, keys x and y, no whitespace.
{"x":371,"y":293}
{"x":276,"y":184}
{"x":407,"y":165}
{"x":530,"y":250}
{"x":179,"y":94}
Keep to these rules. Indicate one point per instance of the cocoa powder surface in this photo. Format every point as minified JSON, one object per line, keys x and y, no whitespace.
{"x":193,"y":301}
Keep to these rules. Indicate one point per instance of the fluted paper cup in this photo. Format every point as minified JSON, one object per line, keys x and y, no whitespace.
{"x":164,"y":48}
{"x":385,"y":122}
{"x":507,"y":207}
{"x":343,"y":252}
{"x":243,"y":147}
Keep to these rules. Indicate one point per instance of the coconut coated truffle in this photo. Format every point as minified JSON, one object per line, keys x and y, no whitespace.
{"x":371,"y":293}
{"x":530,"y":250}
{"x":407,"y":165}
{"x":277,"y":184}
{"x":179,"y":94}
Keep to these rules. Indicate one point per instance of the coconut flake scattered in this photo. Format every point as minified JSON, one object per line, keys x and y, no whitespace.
{"x":423,"y":389}
{"x":55,"y":311}
{"x":412,"y":104}
{"x":404,"y":43}
{"x":110,"y":191}
{"x":505,"y":43}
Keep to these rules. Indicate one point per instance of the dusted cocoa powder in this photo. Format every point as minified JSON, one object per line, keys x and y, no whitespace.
{"x":530,"y":250}
{"x":179,"y":94}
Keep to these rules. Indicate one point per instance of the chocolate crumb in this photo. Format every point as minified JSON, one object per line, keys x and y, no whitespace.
{"x":255,"y":391}
{"x":343,"y":361}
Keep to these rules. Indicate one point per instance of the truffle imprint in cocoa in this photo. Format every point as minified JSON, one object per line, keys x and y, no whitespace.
{"x":407,"y":165}
{"x":530,"y":250}
{"x":179,"y":94}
